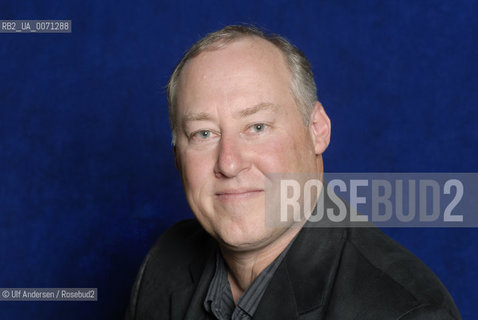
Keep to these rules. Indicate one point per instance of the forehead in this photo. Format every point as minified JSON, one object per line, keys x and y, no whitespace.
{"x":244,"y":51}
{"x":250,"y":61}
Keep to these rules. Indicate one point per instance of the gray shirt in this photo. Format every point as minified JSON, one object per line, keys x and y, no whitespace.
{"x":219,"y":301}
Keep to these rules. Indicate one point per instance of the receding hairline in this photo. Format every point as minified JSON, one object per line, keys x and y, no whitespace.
{"x":299,"y":69}
{"x":245,"y":38}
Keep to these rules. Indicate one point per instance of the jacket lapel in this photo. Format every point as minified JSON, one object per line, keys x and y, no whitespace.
{"x":301,"y":286}
{"x":202,"y":276}
{"x":180,"y":302}
{"x":299,"y":289}
{"x":278,"y":302}
{"x":187,"y":303}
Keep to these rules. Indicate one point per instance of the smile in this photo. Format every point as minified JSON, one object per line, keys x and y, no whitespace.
{"x":231,"y":195}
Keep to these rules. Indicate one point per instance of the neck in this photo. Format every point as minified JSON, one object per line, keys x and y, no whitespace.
{"x":245,"y":266}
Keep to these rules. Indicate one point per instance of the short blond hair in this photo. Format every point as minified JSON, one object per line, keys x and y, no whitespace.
{"x":302,"y":81}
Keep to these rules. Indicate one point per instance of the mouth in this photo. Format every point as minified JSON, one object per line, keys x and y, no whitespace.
{"x":239,"y":194}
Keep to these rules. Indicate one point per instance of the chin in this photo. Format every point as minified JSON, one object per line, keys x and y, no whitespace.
{"x":245,"y":241}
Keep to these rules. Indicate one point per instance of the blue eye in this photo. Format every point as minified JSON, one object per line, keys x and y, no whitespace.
{"x":201,"y":135}
{"x":204,"y":134}
{"x":258,"y":127}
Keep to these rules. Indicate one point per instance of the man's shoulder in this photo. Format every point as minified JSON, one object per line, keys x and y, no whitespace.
{"x":179,"y":245}
{"x":380,"y":277}
{"x":167,"y":268}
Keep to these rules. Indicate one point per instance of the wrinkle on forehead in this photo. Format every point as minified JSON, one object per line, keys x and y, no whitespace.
{"x":244,"y":113}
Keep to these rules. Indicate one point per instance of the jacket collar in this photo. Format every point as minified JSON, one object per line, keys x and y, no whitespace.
{"x":303,"y":282}
{"x":300,"y":286}
{"x":187,"y":302}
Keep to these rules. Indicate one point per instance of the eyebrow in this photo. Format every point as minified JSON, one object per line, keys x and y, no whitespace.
{"x":255,"y":109}
{"x":196,"y":117}
{"x":241,"y":114}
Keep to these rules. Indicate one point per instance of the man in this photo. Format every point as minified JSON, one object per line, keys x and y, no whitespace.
{"x":243,"y":106}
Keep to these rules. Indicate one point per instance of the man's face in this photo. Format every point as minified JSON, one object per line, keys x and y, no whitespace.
{"x":237,"y":122}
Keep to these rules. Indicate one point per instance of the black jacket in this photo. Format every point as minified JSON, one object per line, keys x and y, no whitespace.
{"x":334,"y":273}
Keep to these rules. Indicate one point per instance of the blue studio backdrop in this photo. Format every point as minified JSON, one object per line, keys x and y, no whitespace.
{"x":87,"y":179}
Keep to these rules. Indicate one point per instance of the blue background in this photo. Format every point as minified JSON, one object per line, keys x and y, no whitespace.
{"x":87,"y":180}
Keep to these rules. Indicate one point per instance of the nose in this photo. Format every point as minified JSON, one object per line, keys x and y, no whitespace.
{"x":231,"y":158}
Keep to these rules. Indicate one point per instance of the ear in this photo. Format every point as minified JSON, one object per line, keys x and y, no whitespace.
{"x":320,"y":128}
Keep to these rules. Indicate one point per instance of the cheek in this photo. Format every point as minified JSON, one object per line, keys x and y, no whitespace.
{"x":196,"y":171}
{"x":192,"y":176}
{"x":286,"y":154}
{"x":270,"y":157}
